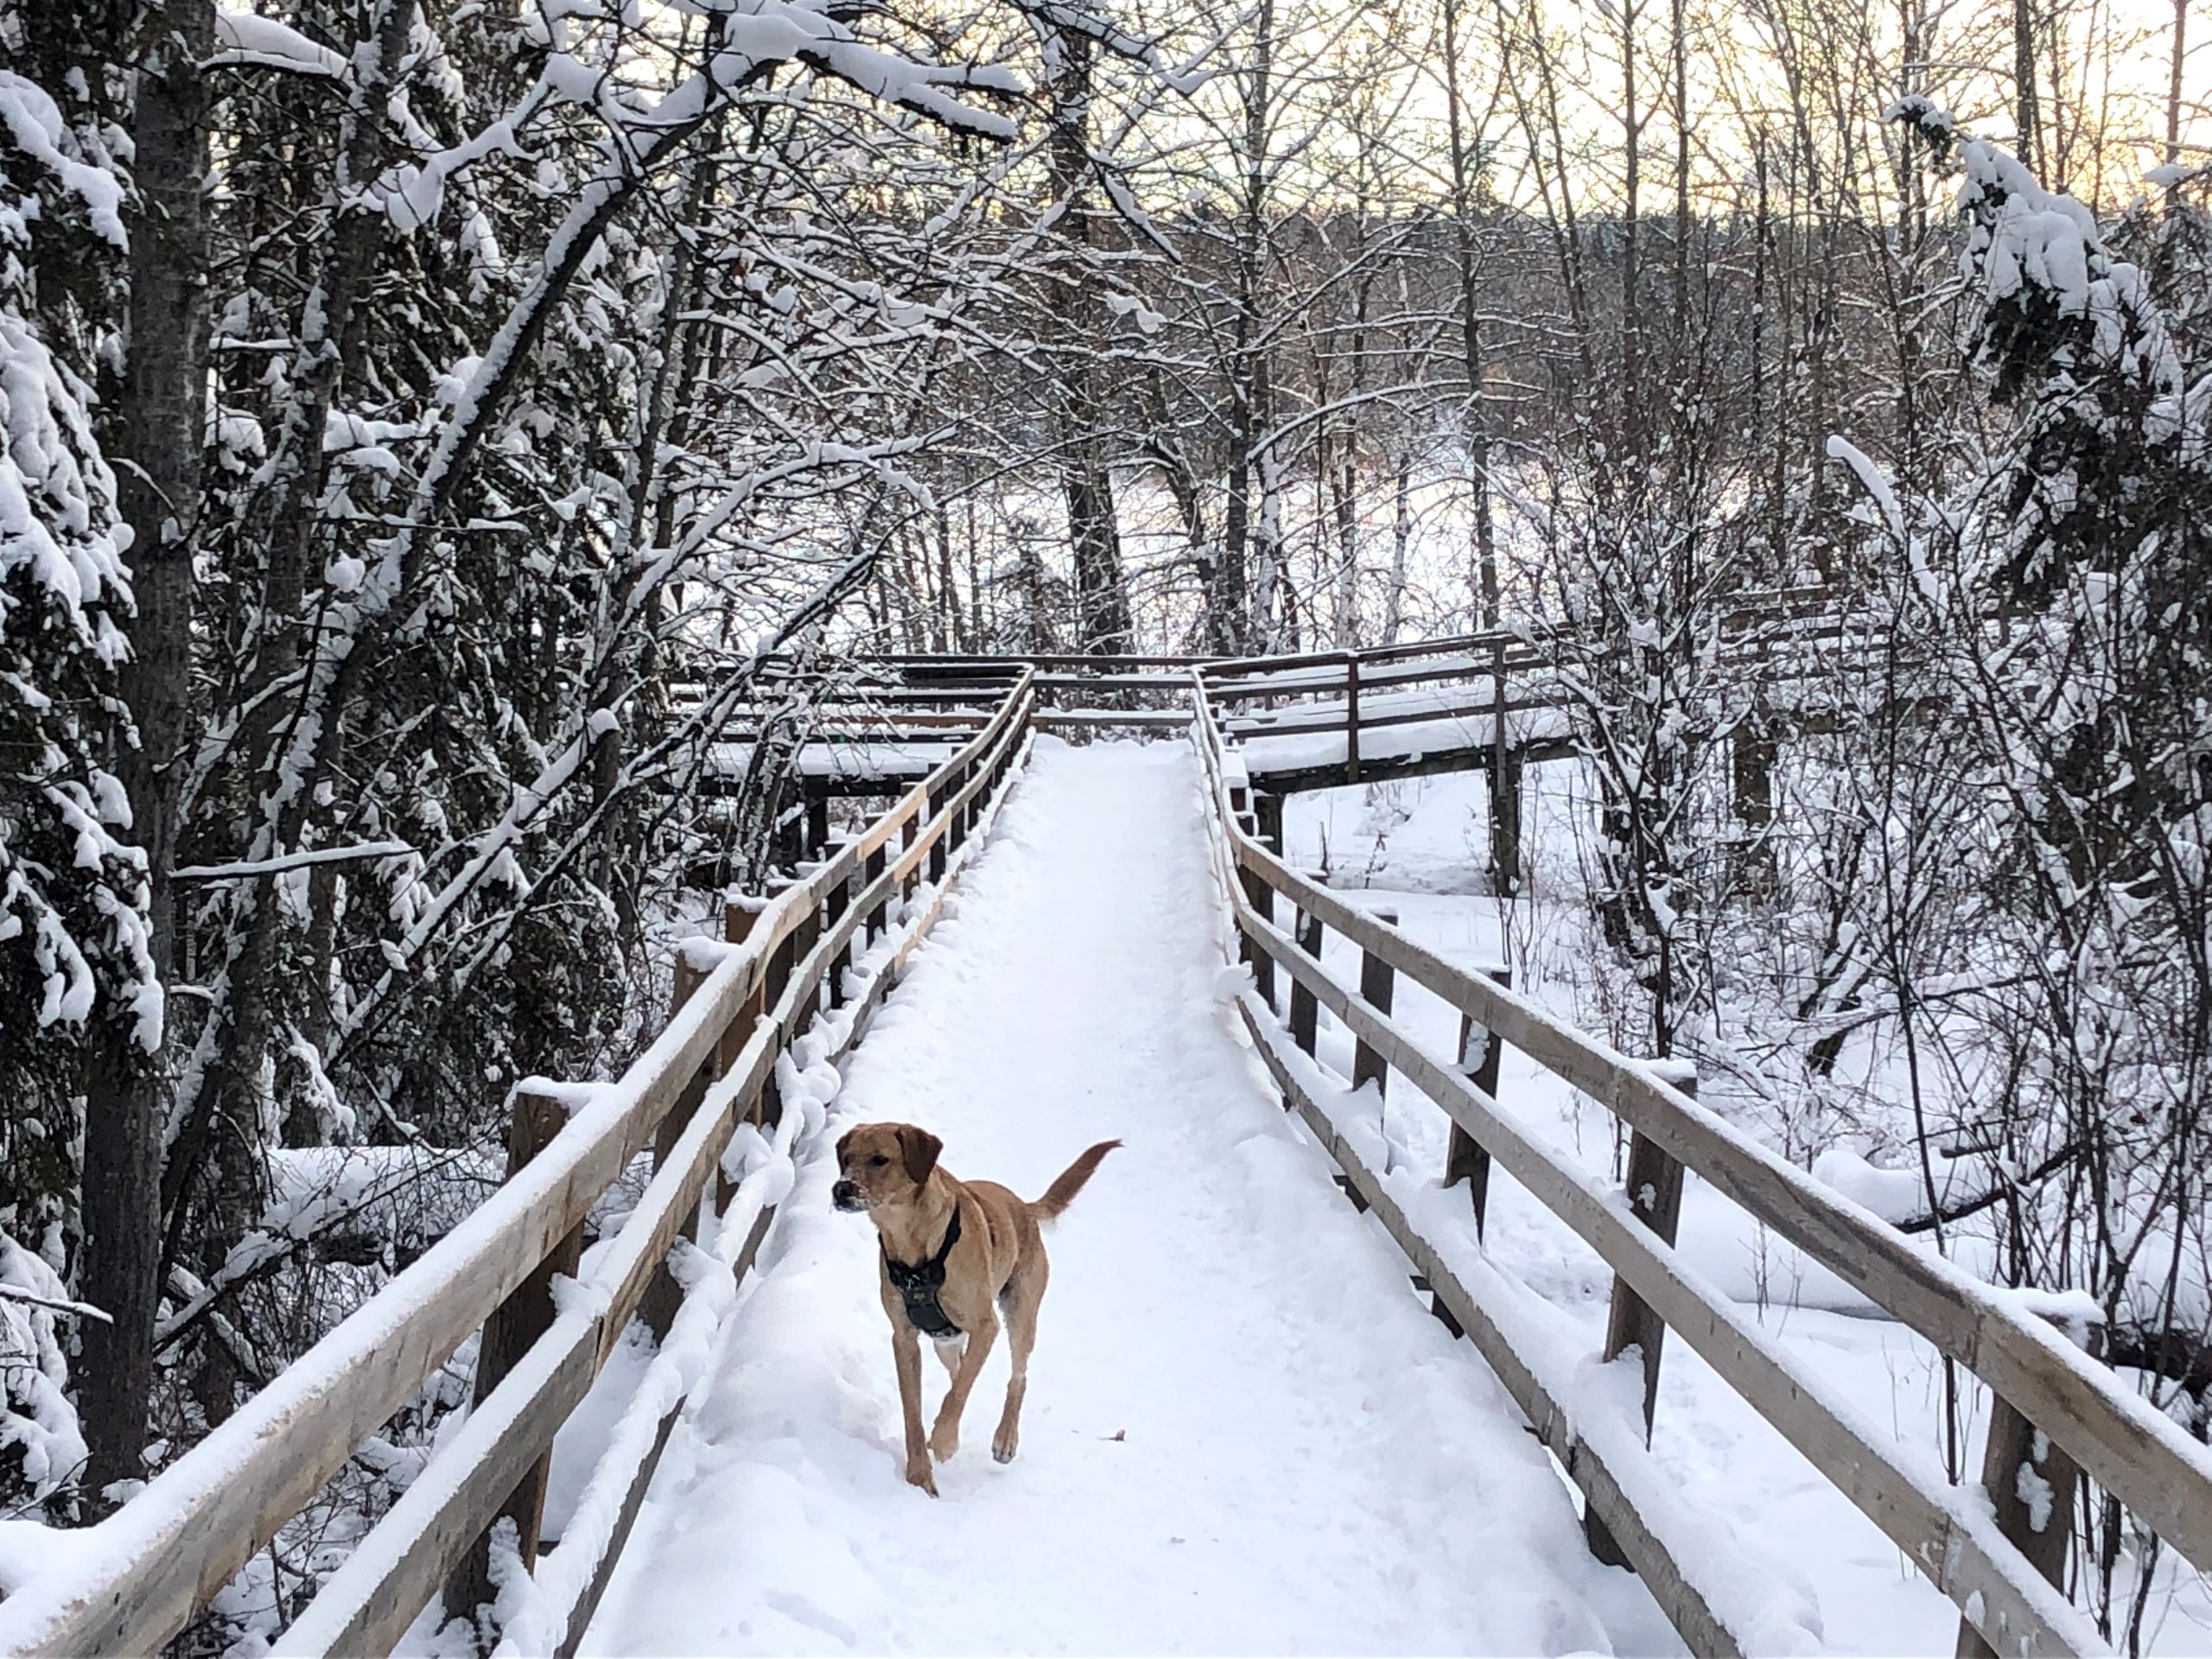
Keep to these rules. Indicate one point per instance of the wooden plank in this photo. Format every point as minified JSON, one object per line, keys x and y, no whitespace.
{"x":1956,"y":1546}
{"x":840,"y":901}
{"x":1158,"y":680}
{"x":2140,"y":1455}
{"x":1654,"y":1197}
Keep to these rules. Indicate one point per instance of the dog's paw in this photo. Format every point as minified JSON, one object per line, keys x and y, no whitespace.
{"x":919,"y":1474}
{"x":944,"y":1441}
{"x":1005,"y":1443}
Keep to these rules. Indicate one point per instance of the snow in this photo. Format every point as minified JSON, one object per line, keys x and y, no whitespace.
{"x":38,"y":1425}
{"x":1236,"y":1403}
{"x":263,"y":43}
{"x":867,"y":759}
{"x":1872,"y":480}
{"x":35,"y":123}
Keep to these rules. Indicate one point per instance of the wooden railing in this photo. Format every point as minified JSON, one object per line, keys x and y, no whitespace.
{"x":1968,"y":1542}
{"x":134,"y":1580}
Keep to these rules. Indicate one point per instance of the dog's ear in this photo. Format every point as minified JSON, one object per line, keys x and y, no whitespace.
{"x":845,"y":1140}
{"x":921,"y":1148}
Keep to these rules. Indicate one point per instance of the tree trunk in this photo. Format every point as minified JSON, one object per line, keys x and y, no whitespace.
{"x":164,"y":415}
{"x":2173,"y":88}
{"x":1470,"y":333}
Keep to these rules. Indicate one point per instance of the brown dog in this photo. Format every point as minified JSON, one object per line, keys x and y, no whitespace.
{"x":955,"y":1255}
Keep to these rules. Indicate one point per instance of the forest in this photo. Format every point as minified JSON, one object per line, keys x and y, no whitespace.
{"x":401,"y":398}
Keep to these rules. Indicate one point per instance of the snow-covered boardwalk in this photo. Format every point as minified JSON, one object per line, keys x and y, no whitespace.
{"x":1243,"y":1433}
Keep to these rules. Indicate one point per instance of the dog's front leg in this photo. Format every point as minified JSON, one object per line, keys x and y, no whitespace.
{"x":944,"y":1439}
{"x":907,"y":1352}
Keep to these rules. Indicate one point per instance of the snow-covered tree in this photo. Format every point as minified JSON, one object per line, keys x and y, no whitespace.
{"x":76,"y":965}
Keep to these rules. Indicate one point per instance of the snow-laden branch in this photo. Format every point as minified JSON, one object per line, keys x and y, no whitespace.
{"x":491,"y":848}
{"x":245,"y":869}
{"x":245,"y":42}
{"x":34,"y":123}
{"x":1871,"y":480}
{"x":52,"y":1304}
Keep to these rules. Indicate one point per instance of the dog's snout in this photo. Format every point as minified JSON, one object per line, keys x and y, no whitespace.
{"x":845,"y":1195}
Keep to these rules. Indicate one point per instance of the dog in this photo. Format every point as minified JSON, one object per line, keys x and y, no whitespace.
{"x":957,"y":1256}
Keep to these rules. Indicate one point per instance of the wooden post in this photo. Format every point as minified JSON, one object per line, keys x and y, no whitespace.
{"x":1351,"y":718}
{"x":515,"y":1325}
{"x":805,"y":935}
{"x":1506,"y":789}
{"x":738,"y":917}
{"x":1655,"y":1194}
{"x":1751,"y":770}
{"x":956,"y":826}
{"x":840,"y":901}
{"x":1377,"y":981}
{"x":757,"y":1005}
{"x":1480,"y":1051}
{"x":1268,"y":810}
{"x":2029,"y":1478}
{"x":661,"y":1297}
{"x":1261,"y":897}
{"x":790,"y":835}
{"x":778,"y":976}
{"x":878,"y":921}
{"x":817,"y":817}
{"x":1305,"y":1011}
{"x":1753,"y":754}
{"x":936,"y":847}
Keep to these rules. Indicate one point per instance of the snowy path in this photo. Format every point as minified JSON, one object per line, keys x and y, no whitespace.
{"x":1244,"y":1433}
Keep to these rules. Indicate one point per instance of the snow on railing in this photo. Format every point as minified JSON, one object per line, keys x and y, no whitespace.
{"x":724,"y":1060}
{"x":1968,"y":1543}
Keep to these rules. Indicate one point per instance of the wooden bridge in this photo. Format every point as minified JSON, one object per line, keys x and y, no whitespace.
{"x":800,"y":980}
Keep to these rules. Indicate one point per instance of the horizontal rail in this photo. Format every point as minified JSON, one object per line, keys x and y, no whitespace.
{"x":359,"y":1611}
{"x":140,"y":1575}
{"x":1082,"y":720}
{"x":1317,"y":719}
{"x":2136,"y":1453}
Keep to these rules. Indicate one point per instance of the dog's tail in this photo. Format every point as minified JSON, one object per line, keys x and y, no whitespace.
{"x":1061,"y":1193}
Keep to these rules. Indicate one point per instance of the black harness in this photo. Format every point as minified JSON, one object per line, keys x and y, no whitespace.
{"x":917,"y":1286}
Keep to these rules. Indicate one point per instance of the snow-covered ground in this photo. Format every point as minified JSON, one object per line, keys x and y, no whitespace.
{"x":1244,"y":1433}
